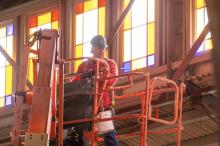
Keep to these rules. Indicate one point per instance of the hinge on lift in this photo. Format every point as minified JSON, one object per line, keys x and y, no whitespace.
{"x":36,"y":139}
{"x":36,"y":36}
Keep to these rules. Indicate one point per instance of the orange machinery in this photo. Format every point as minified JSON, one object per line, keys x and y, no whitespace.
{"x":42,"y":123}
{"x":146,"y":105}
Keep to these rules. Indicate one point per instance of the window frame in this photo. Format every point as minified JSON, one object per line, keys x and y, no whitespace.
{"x":193,"y":30}
{"x":74,"y":14}
{"x":37,"y":13}
{"x":156,"y":38}
{"x":4,"y":23}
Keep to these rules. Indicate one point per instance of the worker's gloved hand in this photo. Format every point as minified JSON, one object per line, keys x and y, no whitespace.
{"x":103,"y":69}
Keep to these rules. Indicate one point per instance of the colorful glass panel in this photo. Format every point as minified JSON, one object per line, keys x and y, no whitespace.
{"x":90,"y":5}
{"x":90,"y":20}
{"x":101,"y":19}
{"x":78,"y":53}
{"x":139,"y":35}
{"x":6,"y":71}
{"x":151,"y":8}
{"x":48,"y":20}
{"x":201,"y":21}
{"x":10,"y":29}
{"x":79,"y":8}
{"x":151,"y":39}
{"x":44,"y":19}
{"x":54,"y":15}
{"x":8,"y":100}
{"x":200,"y":3}
{"x":90,"y":25}
{"x":127,"y":66}
{"x":139,"y":14}
{"x":33,"y":21}
{"x":127,"y":45}
{"x":101,"y":3}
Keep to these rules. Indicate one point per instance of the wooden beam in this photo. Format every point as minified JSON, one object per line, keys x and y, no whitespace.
{"x":191,"y":53}
{"x":214,"y":24}
{"x":14,"y":65}
{"x":119,"y":23}
{"x":18,"y":110}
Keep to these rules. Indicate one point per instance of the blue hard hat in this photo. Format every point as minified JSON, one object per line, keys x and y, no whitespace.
{"x":99,"y":41}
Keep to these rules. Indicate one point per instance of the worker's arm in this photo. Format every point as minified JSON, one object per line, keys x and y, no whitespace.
{"x":79,"y":70}
{"x":113,"y":72}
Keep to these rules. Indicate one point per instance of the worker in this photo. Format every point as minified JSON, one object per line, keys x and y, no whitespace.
{"x":99,"y":46}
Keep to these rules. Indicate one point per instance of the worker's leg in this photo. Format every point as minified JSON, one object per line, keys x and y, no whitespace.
{"x":110,"y":138}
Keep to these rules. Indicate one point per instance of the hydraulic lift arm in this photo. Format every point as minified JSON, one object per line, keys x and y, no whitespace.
{"x":40,"y":119}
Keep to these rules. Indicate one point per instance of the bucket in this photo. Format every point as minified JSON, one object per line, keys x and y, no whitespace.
{"x":105,"y":126}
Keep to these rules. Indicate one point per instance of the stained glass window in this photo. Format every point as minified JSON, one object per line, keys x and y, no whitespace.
{"x":201,"y":21}
{"x":6,"y":41}
{"x":48,"y":20}
{"x":90,"y":21}
{"x":139,"y":35}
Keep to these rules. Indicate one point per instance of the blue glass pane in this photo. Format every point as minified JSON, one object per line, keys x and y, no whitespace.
{"x":8,"y":100}
{"x":10,"y":29}
{"x":127,"y":66}
{"x":150,"y":60}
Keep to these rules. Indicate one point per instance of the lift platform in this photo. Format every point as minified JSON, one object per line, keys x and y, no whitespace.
{"x":43,"y":123}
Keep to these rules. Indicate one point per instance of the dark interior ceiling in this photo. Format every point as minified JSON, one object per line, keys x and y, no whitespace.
{"x":5,"y":4}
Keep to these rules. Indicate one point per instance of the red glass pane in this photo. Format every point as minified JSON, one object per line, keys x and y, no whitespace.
{"x":32,"y":21}
{"x":101,"y":3}
{"x":79,"y":8}
{"x":54,"y":15}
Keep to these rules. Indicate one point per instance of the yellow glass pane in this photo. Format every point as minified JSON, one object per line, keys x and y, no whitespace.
{"x":127,"y":46}
{"x":208,"y":44}
{"x":8,"y":80}
{"x":139,"y":44}
{"x":200,"y":3}
{"x":126,"y":3}
{"x":2,"y":101}
{"x":78,"y":53}
{"x":127,"y":21}
{"x":101,"y":21}
{"x":55,"y":25}
{"x":79,"y":29}
{"x":199,"y":21}
{"x":2,"y":32}
{"x":30,"y":70}
{"x":2,"y":81}
{"x":90,"y":5}
{"x":44,"y":19}
{"x":151,"y":38}
{"x":140,"y":63}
